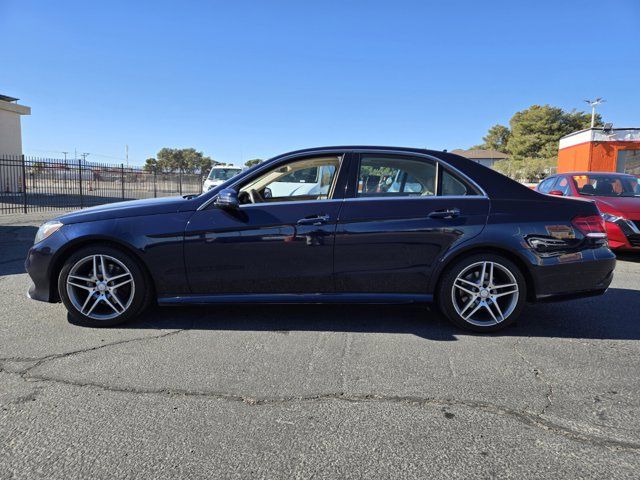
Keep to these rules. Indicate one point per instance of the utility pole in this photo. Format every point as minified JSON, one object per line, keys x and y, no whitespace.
{"x":126,"y":154}
{"x":65,"y":169}
{"x":594,"y":104}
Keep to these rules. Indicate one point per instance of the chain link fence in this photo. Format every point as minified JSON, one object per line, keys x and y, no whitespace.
{"x":30,"y":184}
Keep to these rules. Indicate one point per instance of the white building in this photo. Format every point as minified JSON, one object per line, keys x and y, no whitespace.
{"x":10,"y":141}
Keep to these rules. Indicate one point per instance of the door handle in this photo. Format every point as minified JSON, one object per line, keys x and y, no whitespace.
{"x":445,"y":213}
{"x":315,"y":220}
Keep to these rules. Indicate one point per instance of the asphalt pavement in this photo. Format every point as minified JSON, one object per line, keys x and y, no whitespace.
{"x":316,"y":391}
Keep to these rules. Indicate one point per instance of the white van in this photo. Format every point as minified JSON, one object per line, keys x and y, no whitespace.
{"x":220,"y":174}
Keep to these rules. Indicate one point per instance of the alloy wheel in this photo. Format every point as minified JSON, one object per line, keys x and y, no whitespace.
{"x":100,"y":287}
{"x":485,"y":293}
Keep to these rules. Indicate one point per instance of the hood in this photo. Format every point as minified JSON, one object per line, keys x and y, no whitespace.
{"x":209,"y":184}
{"x":628,"y":206}
{"x":131,"y":208}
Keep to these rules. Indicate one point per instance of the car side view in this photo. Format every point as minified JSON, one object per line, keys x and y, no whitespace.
{"x":336,"y":224}
{"x":617,"y":196}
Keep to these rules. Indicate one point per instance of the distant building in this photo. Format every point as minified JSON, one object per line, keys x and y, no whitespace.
{"x":602,"y":149}
{"x":10,"y":141}
{"x":484,"y":157}
{"x":10,"y":130}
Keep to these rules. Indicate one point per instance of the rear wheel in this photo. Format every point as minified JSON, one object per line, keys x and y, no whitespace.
{"x":482,"y":292}
{"x":102,"y":286}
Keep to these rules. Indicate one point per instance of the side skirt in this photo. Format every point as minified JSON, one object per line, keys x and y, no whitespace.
{"x":381,"y":298}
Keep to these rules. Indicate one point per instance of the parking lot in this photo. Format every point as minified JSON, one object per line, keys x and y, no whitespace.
{"x":316,"y":391}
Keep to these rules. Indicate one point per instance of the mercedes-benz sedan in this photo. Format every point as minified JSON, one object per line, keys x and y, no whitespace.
{"x":337,"y":224}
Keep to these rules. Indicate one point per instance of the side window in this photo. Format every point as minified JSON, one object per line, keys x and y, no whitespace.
{"x":545,"y":186}
{"x":452,"y":186}
{"x":563,"y":186}
{"x":308,"y":179}
{"x":384,"y":176}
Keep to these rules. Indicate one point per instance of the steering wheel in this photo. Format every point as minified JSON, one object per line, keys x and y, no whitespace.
{"x":255,"y":196}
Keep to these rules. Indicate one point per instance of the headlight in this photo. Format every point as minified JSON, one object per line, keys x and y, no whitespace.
{"x":47,"y":229}
{"x":607,"y":217}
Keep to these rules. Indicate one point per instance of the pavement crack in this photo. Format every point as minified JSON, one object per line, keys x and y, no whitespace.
{"x":36,"y":362}
{"x":538,"y":374}
{"x":527,"y":418}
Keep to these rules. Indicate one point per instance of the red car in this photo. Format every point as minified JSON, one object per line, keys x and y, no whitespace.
{"x":617,"y":195}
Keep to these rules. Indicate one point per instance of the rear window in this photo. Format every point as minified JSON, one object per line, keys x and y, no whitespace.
{"x":607,"y":185}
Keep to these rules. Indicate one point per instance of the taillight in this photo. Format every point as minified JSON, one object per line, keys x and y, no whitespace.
{"x":591,"y":226}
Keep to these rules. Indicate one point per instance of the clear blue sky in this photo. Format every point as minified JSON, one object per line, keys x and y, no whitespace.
{"x":240,"y":79}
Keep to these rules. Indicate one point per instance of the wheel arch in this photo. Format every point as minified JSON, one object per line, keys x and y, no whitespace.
{"x":63,"y":254}
{"x":520,"y":262}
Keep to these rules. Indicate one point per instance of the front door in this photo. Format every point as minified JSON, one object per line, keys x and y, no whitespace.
{"x":404,"y":213}
{"x":280,"y":240}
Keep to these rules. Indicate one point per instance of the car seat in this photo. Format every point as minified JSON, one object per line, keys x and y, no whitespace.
{"x":604,"y":188}
{"x":588,"y":189}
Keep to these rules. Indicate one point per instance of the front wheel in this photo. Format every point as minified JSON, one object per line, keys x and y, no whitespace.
{"x":102,"y":286}
{"x":482,"y":292}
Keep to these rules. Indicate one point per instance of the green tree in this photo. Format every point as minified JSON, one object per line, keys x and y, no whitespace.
{"x":531,"y":141}
{"x":497,"y":138}
{"x":255,"y":161}
{"x":150,"y":164}
{"x":535,"y":132}
{"x":527,"y":169}
{"x":187,"y":160}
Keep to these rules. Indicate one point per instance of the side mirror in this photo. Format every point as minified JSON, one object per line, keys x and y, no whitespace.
{"x":228,"y":199}
{"x":557,"y":193}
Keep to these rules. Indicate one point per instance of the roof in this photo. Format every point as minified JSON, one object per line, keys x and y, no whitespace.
{"x":496,"y":185}
{"x":601,"y":129}
{"x":479,"y":153}
{"x":7,"y":98}
{"x":599,"y":134}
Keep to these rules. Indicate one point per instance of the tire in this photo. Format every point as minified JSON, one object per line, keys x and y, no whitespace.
{"x":480,"y":308}
{"x":91,"y":298}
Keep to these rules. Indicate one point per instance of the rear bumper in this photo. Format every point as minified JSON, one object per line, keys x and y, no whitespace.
{"x":581,"y":274}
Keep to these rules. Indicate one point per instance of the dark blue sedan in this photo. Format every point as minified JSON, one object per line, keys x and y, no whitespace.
{"x":336,"y":224}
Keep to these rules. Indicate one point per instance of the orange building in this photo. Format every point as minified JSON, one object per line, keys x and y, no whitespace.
{"x":601,"y":150}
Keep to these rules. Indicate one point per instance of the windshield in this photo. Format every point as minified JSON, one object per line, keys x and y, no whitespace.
{"x":223,"y":173}
{"x":612,"y":185}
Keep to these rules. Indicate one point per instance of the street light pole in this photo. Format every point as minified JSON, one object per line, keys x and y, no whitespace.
{"x":594,"y":104}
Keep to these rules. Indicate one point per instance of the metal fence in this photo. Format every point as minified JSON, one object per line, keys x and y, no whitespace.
{"x":31,"y":184}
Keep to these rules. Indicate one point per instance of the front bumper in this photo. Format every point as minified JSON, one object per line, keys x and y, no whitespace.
{"x":624,"y":234}
{"x":40,"y":265}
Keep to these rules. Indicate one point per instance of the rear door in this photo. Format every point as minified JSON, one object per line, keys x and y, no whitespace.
{"x":402,"y":212}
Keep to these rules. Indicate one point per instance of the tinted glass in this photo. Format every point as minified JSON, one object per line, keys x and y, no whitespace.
{"x":607,"y":185}
{"x":545,"y":186}
{"x":563,"y":186}
{"x":223,"y":173}
{"x":629,"y":161}
{"x":454,"y":186}
{"x":395,"y":176}
{"x":308,"y":179}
